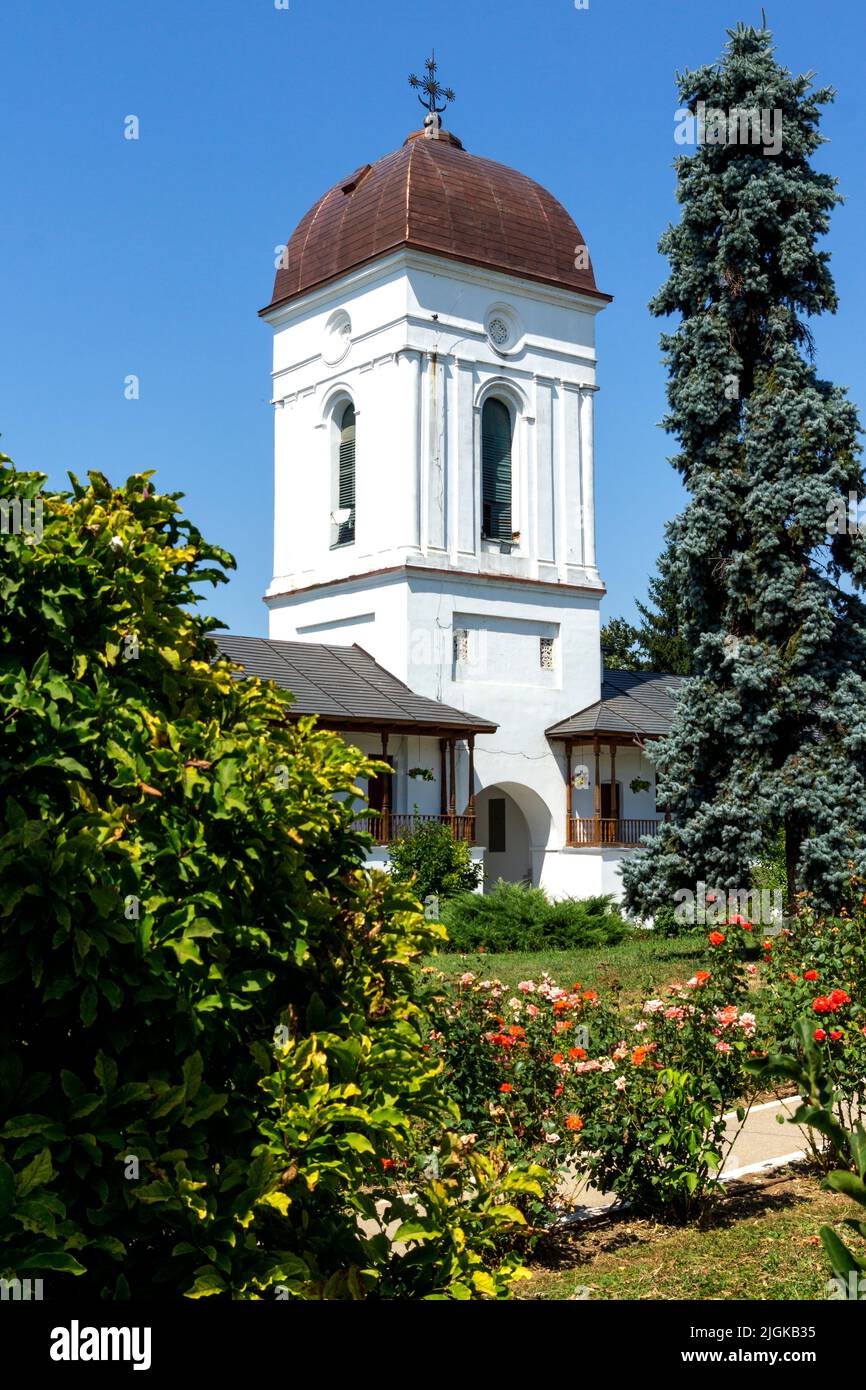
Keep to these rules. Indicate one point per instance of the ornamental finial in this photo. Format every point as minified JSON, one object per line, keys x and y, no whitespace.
{"x":433,"y":94}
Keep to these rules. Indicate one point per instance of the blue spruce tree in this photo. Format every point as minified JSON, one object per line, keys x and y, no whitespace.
{"x":770,"y":730}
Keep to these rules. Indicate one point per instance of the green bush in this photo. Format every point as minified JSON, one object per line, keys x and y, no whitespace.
{"x":212,"y":1057}
{"x":515,"y":918}
{"x":433,"y":862}
{"x":819,"y":1113}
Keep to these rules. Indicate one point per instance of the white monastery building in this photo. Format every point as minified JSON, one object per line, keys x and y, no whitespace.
{"x":436,"y":588}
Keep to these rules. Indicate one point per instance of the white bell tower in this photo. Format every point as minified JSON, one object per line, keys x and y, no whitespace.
{"x":434,"y":386}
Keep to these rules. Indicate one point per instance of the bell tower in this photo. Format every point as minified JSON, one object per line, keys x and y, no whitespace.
{"x":434,"y":384}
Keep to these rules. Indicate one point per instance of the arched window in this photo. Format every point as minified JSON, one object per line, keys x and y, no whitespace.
{"x":496,"y":471}
{"x":344,"y":481}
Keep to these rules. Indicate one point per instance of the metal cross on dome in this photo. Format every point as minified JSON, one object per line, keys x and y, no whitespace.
{"x":429,"y":85}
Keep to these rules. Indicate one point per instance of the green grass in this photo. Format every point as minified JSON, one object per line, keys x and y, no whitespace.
{"x":643,"y":963}
{"x":764,"y":1245}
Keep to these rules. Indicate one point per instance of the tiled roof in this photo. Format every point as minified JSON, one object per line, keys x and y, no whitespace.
{"x":434,"y":196}
{"x":345,"y":686}
{"x":632,"y":702}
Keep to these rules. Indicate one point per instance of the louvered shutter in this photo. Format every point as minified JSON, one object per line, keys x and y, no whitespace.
{"x":346,"y":480}
{"x":496,"y":471}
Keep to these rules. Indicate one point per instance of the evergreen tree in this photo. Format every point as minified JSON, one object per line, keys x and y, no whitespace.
{"x":662,"y":644}
{"x":620,"y":646}
{"x":770,"y":731}
{"x":658,"y":644}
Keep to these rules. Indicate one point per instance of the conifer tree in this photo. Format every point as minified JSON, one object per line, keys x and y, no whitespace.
{"x":770,"y":731}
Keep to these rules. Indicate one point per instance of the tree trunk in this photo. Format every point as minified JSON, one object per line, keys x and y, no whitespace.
{"x":793,"y":841}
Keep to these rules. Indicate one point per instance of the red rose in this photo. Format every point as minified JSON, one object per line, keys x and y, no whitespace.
{"x":810,"y":974}
{"x":838,"y":997}
{"x":819,"y":1035}
{"x":716,"y":938}
{"x":505,"y":1087}
{"x":835,"y":1035}
{"x":822,"y":1005}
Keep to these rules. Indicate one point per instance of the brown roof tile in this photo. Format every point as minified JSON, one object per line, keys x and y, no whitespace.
{"x":434,"y":196}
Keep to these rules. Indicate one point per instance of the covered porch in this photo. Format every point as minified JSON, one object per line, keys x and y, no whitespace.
{"x":604,"y":745}
{"x":386,"y":823}
{"x":349,"y":692}
{"x":606,"y":826}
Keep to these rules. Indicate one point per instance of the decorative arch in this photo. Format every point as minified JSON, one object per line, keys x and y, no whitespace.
{"x":340,"y":416}
{"x":499,"y":407}
{"x":526,"y":822}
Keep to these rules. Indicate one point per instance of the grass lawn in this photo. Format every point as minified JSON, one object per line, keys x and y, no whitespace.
{"x":638,"y":965}
{"x":761,"y":1244}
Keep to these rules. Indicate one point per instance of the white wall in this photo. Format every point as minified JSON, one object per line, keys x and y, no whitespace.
{"x":418,"y":385}
{"x":418,"y":366}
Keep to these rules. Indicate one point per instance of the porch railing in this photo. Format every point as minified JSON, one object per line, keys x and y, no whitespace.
{"x":594,"y":831}
{"x":393,"y":824}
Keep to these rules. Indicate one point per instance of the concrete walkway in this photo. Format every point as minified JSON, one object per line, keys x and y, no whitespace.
{"x":759,"y":1144}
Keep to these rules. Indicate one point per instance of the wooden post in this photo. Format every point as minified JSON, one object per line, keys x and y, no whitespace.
{"x":443,"y":780}
{"x":568,"y":796}
{"x":597,"y":793}
{"x":470,"y":805}
{"x":452,"y":778}
{"x":614,"y":809}
{"x":386,"y":795}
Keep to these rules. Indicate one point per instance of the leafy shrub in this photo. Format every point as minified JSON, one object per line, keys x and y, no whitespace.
{"x":212,"y":1057}
{"x":434,"y":862}
{"x":506,"y":1061}
{"x":515,"y":918}
{"x":817,"y":972}
{"x":769,"y":872}
{"x":546,"y":1073}
{"x":819,"y":1111}
{"x":667,"y":924}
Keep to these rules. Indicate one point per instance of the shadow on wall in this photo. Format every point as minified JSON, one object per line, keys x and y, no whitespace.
{"x":511,"y":821}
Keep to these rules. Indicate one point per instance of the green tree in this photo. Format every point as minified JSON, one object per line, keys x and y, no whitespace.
{"x":768,"y":731}
{"x":620,"y":646}
{"x":657,"y":644}
{"x":211,"y":1048}
{"x":662,"y":644}
{"x":434,"y":863}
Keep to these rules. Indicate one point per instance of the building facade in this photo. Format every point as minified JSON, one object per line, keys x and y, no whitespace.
{"x":434,"y":383}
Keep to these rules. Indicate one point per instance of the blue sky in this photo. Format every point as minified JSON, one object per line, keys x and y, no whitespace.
{"x":151,"y":257}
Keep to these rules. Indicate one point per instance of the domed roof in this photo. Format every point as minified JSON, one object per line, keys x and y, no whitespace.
{"x":434,"y":196}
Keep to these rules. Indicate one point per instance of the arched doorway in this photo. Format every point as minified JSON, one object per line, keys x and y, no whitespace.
{"x":512,"y":823}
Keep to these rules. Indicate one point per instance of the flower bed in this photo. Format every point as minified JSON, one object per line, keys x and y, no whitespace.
{"x":635,"y":1100}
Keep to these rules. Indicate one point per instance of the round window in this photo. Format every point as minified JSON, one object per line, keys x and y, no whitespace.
{"x":503,"y":331}
{"x":338,"y":337}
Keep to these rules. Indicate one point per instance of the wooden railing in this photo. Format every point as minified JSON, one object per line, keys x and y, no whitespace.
{"x":397,"y":823}
{"x":602,"y":830}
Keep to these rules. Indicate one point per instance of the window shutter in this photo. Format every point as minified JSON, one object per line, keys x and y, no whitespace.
{"x":496,"y":471}
{"x":346,"y":480}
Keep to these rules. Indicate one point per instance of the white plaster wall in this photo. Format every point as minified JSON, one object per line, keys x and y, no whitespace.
{"x":418,"y":368}
{"x":418,"y":383}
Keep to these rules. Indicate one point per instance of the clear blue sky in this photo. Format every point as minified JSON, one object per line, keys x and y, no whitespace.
{"x":151,"y":257}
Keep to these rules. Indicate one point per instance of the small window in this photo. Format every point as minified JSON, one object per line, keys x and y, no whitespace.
{"x":496,"y":825}
{"x":461,"y":644}
{"x":546,"y":653}
{"x":496,"y":471}
{"x":343,"y":515}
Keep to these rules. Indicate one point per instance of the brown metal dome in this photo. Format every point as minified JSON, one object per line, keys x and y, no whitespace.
{"x":433,"y":196}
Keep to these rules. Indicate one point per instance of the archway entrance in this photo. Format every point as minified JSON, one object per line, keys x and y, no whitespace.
{"x":511,"y":822}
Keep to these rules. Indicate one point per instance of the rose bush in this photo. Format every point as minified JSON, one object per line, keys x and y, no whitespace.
{"x":634,"y":1100}
{"x":816,"y":973}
